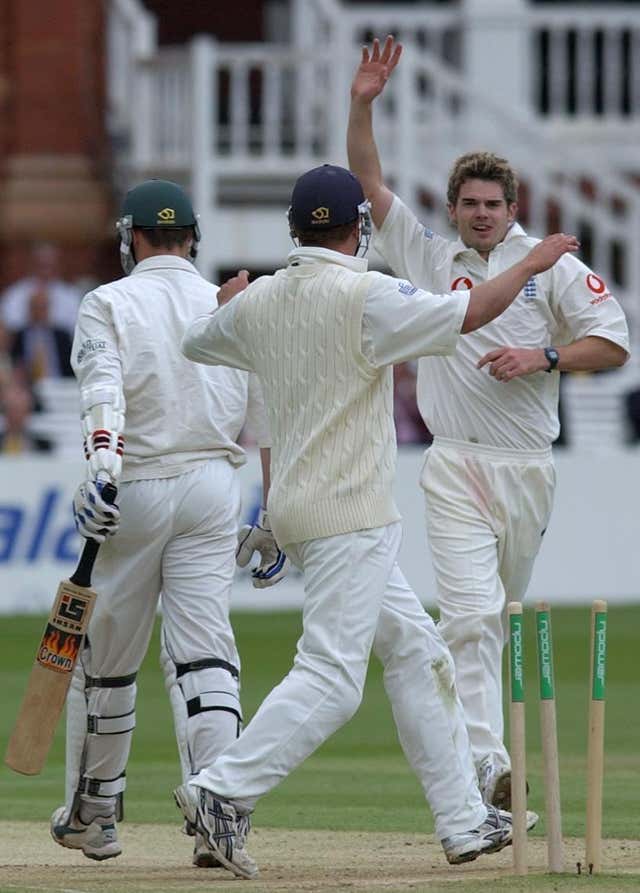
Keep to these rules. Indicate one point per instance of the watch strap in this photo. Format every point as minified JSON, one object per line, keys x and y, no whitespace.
{"x":552,"y":357}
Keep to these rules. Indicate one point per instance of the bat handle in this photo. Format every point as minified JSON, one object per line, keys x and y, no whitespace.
{"x":82,"y":574}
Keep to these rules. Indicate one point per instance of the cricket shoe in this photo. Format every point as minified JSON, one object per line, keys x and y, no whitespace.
{"x":495,"y":783}
{"x":220,"y":827}
{"x":202,"y":855}
{"x":97,"y":840}
{"x":493,"y":835}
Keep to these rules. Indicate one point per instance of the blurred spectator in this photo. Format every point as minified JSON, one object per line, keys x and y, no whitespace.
{"x":41,"y":349}
{"x":44,"y":275}
{"x":409,"y":425}
{"x":16,"y":405}
{"x":632,"y":403}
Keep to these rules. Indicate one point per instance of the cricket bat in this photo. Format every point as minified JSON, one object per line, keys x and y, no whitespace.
{"x":55,"y":660}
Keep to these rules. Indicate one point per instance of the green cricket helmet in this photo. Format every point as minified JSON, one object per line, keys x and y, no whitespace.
{"x":154,"y":204}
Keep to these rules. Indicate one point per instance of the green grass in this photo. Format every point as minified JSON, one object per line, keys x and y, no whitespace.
{"x":358,"y":780}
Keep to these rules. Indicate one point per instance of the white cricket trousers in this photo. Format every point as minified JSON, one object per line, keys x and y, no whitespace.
{"x":177,"y":536}
{"x":487,"y":510}
{"x":356,"y":598}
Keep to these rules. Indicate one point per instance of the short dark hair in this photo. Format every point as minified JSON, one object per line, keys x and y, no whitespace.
{"x":324,"y":238}
{"x":166,"y":237}
{"x":482,"y":166}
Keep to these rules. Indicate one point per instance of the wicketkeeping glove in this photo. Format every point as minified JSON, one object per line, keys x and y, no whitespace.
{"x":95,"y":519}
{"x":274,"y":564}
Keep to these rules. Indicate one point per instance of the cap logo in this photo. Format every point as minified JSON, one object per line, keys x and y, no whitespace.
{"x":167,"y":215}
{"x":320,"y":215}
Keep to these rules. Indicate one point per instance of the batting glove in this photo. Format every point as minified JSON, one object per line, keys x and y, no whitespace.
{"x":274,"y":564}
{"x":95,"y":519}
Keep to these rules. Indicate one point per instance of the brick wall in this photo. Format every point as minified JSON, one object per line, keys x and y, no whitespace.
{"x":54,"y":175}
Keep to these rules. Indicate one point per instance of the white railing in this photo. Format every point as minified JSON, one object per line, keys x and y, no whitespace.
{"x":248,"y":101}
{"x":434,"y":28}
{"x":574,"y":66}
{"x":164,"y":120}
{"x":587,"y":60}
{"x":272,"y":100}
{"x":131,"y":37}
{"x":582,"y":60}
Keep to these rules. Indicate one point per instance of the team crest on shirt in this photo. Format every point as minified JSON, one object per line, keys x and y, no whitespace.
{"x":530,"y":291}
{"x":428,"y":233}
{"x":405,"y":288}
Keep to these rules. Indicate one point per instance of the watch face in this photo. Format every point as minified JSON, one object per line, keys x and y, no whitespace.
{"x":552,"y":356}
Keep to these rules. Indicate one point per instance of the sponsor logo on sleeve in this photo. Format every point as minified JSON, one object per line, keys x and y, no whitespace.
{"x":461,"y":283}
{"x":90,"y":346}
{"x":598,"y":287}
{"x":405,"y":288}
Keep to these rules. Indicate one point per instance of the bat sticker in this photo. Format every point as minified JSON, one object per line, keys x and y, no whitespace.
{"x":69,"y":613}
{"x":58,"y":650}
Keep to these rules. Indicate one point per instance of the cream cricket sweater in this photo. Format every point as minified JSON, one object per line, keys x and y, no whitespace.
{"x":330,"y":411}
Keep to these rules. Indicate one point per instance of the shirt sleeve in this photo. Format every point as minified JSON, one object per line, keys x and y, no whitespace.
{"x":95,"y":355}
{"x":212,"y":339}
{"x":256,"y":417}
{"x":401,"y":322}
{"x":409,"y":248}
{"x":585,"y":306}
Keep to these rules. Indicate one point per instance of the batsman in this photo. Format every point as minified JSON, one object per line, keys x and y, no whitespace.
{"x":164,"y":430}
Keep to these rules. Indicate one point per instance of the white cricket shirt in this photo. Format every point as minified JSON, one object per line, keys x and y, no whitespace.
{"x":322,"y":334}
{"x":562,"y":305}
{"x":177,"y":413}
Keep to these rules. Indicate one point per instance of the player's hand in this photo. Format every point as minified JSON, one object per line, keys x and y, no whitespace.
{"x":550,"y":250}
{"x":375,"y":69}
{"x":274,"y":564}
{"x":506,"y":363}
{"x":232,"y":287}
{"x":95,"y":519}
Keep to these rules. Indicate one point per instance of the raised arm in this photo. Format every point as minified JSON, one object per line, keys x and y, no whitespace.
{"x":369,"y":81}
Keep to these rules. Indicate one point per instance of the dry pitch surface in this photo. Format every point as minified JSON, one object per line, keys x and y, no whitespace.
{"x":156,"y":859}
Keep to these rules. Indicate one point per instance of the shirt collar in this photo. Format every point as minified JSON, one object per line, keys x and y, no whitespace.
{"x":515,"y":231}
{"x":164,"y":262}
{"x":313,"y":255}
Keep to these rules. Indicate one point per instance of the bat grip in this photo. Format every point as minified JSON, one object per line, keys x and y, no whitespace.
{"x":82,"y":574}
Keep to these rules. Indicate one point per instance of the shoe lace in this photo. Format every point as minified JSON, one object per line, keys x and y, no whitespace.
{"x":243,"y":826}
{"x":493,"y":817}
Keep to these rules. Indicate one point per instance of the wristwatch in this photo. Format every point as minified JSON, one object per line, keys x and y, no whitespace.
{"x":552,"y":356}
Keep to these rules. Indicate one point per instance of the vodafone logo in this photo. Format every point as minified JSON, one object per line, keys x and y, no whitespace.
{"x":595,"y":284}
{"x":462,"y":282}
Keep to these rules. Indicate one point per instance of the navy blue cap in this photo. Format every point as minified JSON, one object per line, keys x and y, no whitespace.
{"x":324,"y":197}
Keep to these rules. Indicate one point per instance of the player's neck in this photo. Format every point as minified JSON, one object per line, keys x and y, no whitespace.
{"x":144,"y":253}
